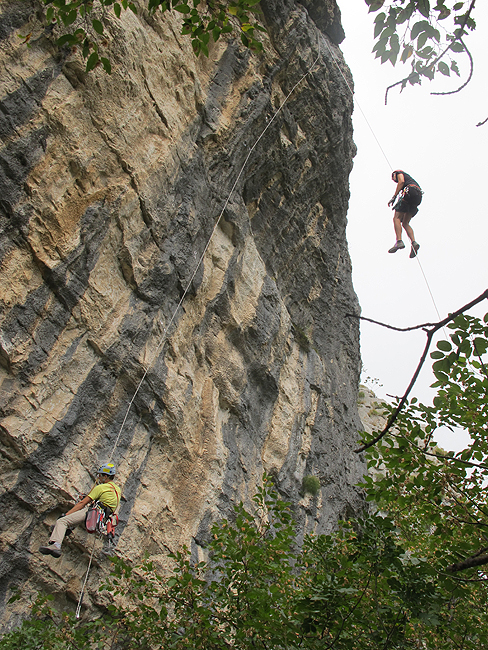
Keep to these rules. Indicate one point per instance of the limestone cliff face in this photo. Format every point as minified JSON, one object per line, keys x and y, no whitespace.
{"x":110,"y":187}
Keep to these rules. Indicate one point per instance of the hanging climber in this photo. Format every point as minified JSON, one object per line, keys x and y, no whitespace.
{"x":405,"y":202}
{"x":105,"y":492}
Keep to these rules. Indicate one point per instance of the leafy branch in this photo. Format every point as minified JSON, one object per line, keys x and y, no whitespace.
{"x":426,"y":42}
{"x":82,"y":23}
{"x":431,"y":330}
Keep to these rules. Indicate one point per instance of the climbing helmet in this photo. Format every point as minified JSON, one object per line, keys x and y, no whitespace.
{"x":107,"y":469}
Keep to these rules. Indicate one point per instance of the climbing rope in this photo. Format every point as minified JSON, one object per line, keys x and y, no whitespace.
{"x":389,"y":165}
{"x":201,"y":258}
{"x":177,"y":309}
{"x":82,"y":592}
{"x":187,"y":288}
{"x":359,"y":106}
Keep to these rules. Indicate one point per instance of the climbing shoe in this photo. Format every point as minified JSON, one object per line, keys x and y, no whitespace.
{"x":50,"y":549}
{"x":414,"y":249}
{"x":398,"y":246}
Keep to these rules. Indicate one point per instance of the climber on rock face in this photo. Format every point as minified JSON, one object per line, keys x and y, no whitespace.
{"x":406,"y":207}
{"x":105,"y":491}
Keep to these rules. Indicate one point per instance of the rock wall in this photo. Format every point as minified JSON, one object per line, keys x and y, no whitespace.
{"x":110,"y":187}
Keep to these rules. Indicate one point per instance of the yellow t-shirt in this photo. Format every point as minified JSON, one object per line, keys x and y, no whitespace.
{"x":107,"y":493}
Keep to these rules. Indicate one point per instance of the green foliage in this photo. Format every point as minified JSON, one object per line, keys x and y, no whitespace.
{"x":438,"y":499}
{"x":389,"y":581}
{"x":302,"y":338}
{"x":310,"y":485}
{"x":422,"y":33}
{"x":81,"y":24}
{"x":46,"y":629}
{"x":362,"y":590}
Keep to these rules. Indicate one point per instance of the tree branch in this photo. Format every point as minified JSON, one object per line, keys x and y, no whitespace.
{"x":430,"y":333}
{"x":453,"y":92}
{"x":478,"y":559}
{"x":442,"y":457}
{"x":483,"y":122}
{"x":431,"y":65}
{"x":391,"y":327}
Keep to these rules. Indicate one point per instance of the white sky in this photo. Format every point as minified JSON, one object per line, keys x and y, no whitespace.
{"x":433,"y":138}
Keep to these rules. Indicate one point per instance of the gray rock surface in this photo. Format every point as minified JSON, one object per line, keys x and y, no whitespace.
{"x":110,"y":188}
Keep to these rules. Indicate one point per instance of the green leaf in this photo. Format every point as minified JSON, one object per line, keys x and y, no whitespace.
{"x":419,"y":27}
{"x":97,"y":26}
{"x":422,"y":40}
{"x":437,"y":355}
{"x":445,"y":346}
{"x":67,"y":39}
{"x":465,"y":347}
{"x":106,"y":65}
{"x":69,"y":18}
{"x":424,"y":7}
{"x":444,"y":12}
{"x":480,"y":345}
{"x":457,"y":47}
{"x":50,"y":15}
{"x":426,"y":53}
{"x":378,"y":28}
{"x":92,"y":61}
{"x":182,"y":8}
{"x":117,"y":9}
{"x":375,"y":5}
{"x":444,"y":68}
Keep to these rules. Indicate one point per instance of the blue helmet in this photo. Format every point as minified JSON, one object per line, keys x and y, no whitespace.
{"x":108,"y":469}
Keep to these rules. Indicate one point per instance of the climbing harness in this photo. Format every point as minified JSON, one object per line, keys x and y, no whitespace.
{"x":100,"y":519}
{"x":403,"y":193}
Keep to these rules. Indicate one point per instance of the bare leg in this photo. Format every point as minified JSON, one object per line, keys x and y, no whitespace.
{"x":397,"y":224}
{"x":407,"y":227}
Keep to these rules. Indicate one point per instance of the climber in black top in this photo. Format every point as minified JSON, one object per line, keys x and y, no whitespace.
{"x":407,"y":197}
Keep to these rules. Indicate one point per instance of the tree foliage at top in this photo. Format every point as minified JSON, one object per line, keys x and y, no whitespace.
{"x":426,"y":35}
{"x":82,"y":24}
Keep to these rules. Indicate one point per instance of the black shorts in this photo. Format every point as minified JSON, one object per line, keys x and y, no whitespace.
{"x":411,"y":199}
